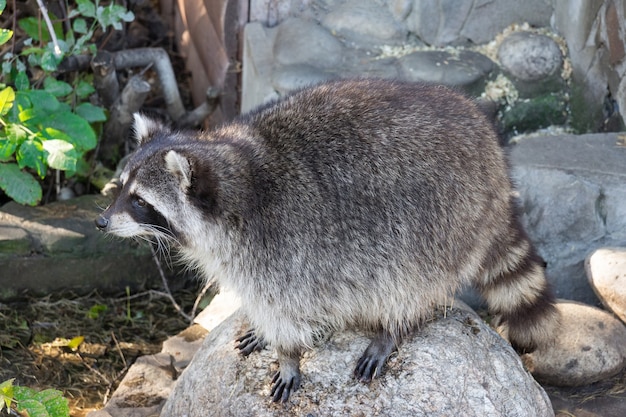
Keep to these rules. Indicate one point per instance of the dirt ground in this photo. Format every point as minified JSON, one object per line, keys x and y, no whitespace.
{"x":35,"y":336}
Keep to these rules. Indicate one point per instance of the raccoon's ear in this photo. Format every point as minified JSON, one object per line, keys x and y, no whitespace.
{"x":178,"y":165}
{"x":145,"y":127}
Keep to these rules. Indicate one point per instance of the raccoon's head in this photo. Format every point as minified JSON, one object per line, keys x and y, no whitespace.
{"x":157,"y":188}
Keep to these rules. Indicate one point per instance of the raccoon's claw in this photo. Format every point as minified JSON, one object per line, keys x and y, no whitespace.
{"x":371,"y":363}
{"x":250,"y":342}
{"x":287,"y":379}
{"x":284,"y":385}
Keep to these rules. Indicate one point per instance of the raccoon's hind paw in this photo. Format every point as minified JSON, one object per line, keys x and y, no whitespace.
{"x":371,"y":363}
{"x":250,"y":342}
{"x":284,"y":382}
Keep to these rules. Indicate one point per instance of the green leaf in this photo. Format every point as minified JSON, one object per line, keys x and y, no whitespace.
{"x":96,"y":310}
{"x":78,"y":129}
{"x":50,"y":60}
{"x":60,"y":154}
{"x":86,"y":7}
{"x":56,"y":88}
{"x":47,"y":403}
{"x":90,"y":112}
{"x":31,"y":154}
{"x":19,"y":185}
{"x":3,"y":4}
{"x":7,"y":149}
{"x":6,"y":393}
{"x":80,"y":26}
{"x":16,"y":133}
{"x":44,"y":101}
{"x":84,"y":89}
{"x":21,"y":81}
{"x":113,"y":15}
{"x":7,"y":97}
{"x":31,"y":25}
{"x":5,"y":36}
{"x":75,"y":342}
{"x":34,"y":408}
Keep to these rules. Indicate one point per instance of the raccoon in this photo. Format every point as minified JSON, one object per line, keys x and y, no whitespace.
{"x":355,"y":203}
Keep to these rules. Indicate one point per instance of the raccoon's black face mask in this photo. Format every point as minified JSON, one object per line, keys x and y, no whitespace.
{"x":152,"y":188}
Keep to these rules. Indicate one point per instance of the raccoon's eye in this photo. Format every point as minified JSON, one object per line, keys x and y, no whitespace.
{"x":139,"y":202}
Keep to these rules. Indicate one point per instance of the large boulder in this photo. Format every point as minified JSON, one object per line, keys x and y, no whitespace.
{"x":573,"y":198}
{"x":449,"y":22}
{"x":455,"y":365}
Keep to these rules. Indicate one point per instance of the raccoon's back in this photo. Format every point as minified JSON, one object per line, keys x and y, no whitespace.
{"x":370,"y":165}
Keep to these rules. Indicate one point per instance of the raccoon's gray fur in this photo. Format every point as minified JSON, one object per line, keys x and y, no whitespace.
{"x":352,"y":203}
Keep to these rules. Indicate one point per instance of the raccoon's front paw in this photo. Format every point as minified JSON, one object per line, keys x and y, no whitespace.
{"x":284,"y":383}
{"x":250,"y":342}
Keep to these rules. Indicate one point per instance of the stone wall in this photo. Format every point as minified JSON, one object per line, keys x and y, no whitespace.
{"x":594,"y":32}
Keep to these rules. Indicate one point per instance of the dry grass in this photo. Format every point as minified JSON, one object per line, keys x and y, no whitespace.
{"x":34,"y":334}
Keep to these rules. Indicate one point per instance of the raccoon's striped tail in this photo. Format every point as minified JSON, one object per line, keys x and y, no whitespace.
{"x":517,"y":292}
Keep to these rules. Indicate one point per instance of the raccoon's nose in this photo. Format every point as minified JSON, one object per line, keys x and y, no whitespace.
{"x":101,"y":222}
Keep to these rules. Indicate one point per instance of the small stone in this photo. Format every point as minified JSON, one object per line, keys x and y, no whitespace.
{"x":465,"y":69}
{"x":301,"y":41}
{"x":590,"y":345}
{"x":606,"y":271}
{"x":530,"y":56}
{"x":533,"y":61}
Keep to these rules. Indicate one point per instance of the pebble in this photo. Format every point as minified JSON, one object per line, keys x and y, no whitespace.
{"x":590,"y":345}
{"x":606,"y":271}
{"x":533,"y":61}
{"x":465,"y":69}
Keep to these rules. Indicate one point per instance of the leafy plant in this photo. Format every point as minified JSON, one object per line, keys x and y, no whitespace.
{"x":27,"y":401}
{"x":47,"y":123}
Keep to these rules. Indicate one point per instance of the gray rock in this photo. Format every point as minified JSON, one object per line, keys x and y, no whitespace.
{"x":455,"y":365}
{"x":533,"y":63}
{"x":529,"y":56}
{"x":221,"y":307}
{"x":143,"y":390}
{"x":452,"y":22}
{"x":258,"y":64}
{"x":606,"y":271}
{"x":400,"y":9}
{"x":590,"y":345}
{"x":465,"y":69}
{"x":290,"y":77}
{"x":364,"y":22}
{"x":57,"y":247}
{"x":300,"y":41}
{"x":573,"y":198}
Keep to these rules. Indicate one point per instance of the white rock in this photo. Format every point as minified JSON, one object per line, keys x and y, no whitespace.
{"x":606,"y":271}
{"x":455,"y":365}
{"x":590,"y":345}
